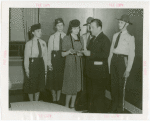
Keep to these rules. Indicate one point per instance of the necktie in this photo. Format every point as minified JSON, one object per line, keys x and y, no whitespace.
{"x":117,"y":40}
{"x":60,"y":41}
{"x":91,"y":42}
{"x":40,"y":49}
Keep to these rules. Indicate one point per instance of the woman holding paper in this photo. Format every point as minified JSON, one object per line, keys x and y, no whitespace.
{"x":71,"y":46}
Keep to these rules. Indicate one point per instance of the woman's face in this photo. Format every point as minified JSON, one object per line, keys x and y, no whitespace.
{"x":37,"y":33}
{"x":60,"y":27}
{"x":75,"y":30}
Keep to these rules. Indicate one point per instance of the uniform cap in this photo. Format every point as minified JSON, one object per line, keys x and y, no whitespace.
{"x":125,"y":18}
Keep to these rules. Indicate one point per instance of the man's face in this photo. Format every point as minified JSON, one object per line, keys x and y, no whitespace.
{"x":88,"y":28}
{"x":121,"y":24}
{"x":37,"y":33}
{"x":95,"y":29}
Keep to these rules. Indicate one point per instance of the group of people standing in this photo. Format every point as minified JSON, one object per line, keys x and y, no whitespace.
{"x":70,"y":58}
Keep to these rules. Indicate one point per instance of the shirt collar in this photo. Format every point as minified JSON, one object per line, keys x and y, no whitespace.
{"x":35,"y":39}
{"x":60,"y":33}
{"x":124,"y":32}
{"x":98,"y":34}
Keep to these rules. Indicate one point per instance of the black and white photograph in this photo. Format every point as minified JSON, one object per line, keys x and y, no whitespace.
{"x":76,"y":60}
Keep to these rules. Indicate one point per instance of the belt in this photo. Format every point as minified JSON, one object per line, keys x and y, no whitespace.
{"x":120,"y":55}
{"x":56,"y":50}
{"x":73,"y":54}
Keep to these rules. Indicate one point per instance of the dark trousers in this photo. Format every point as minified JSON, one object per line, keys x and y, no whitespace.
{"x":117,"y":70}
{"x":96,"y":95}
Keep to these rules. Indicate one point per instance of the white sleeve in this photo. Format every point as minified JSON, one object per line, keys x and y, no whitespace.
{"x":26,"y":57}
{"x":111,"y":52}
{"x":45,"y":56}
{"x":50,"y":48}
{"x":131,"y":53}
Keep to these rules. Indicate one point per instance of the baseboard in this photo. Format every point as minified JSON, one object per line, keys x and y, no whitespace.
{"x":128,"y":106}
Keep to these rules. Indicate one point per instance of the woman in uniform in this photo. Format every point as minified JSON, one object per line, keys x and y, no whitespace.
{"x":56,"y":61}
{"x":71,"y":46}
{"x":35,"y":62}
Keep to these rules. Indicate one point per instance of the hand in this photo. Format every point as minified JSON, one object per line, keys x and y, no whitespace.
{"x":27,"y":73}
{"x":87,"y":52}
{"x":71,"y":51}
{"x":45,"y":72}
{"x":50,"y":67}
{"x":126,"y":74}
{"x":79,"y":54}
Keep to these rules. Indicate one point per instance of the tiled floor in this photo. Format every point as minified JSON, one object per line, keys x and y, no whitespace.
{"x":18,"y":98}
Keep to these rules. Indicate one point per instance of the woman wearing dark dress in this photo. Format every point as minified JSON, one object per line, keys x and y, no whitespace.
{"x":71,"y":46}
{"x":35,"y":62}
{"x":56,"y":61}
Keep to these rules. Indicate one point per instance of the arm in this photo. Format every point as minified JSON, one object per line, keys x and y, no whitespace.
{"x":131,"y":54}
{"x":65,"y":53}
{"x":45,"y":57}
{"x":103,"y":54}
{"x":111,"y":52}
{"x":50,"y":47}
{"x":84,"y":41}
{"x":26,"y":58}
{"x":65,"y":46}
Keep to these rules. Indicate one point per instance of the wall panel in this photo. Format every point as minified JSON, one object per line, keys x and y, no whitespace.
{"x":47,"y":17}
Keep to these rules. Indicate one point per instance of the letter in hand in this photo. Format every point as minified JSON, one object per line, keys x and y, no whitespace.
{"x":72,"y":51}
{"x":79,"y":53}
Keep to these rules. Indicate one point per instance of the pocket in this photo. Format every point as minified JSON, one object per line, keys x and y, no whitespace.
{"x":98,"y":63}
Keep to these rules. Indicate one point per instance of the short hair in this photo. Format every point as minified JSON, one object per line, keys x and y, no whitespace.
{"x":98,"y":22}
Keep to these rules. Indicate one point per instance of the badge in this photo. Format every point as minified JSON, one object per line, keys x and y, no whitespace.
{"x":43,"y":45}
{"x":54,"y":55}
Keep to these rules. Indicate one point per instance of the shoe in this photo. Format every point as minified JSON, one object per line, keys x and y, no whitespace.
{"x":71,"y":107}
{"x":85,"y":111}
{"x":55,"y":102}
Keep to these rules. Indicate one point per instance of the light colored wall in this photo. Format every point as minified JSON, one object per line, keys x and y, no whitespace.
{"x":47,"y":17}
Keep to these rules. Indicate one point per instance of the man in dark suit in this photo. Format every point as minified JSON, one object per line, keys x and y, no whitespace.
{"x":97,"y":68}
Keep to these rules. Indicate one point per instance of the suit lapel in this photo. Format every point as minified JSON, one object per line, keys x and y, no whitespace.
{"x":98,"y":38}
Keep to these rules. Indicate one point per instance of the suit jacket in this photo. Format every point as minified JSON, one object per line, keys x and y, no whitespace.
{"x":97,"y":62}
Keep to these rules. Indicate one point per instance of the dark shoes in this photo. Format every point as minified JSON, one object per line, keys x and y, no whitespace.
{"x":72,"y":108}
{"x":55,"y":102}
{"x":86,"y":111}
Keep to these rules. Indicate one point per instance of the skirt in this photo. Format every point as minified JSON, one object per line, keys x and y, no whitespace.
{"x":55,"y":77}
{"x":36,"y":81}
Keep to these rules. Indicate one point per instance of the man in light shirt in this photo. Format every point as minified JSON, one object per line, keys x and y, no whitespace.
{"x":88,"y":35}
{"x":120,"y":62}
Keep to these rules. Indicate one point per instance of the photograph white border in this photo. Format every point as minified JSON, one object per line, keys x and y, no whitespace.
{"x":33,"y":115}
